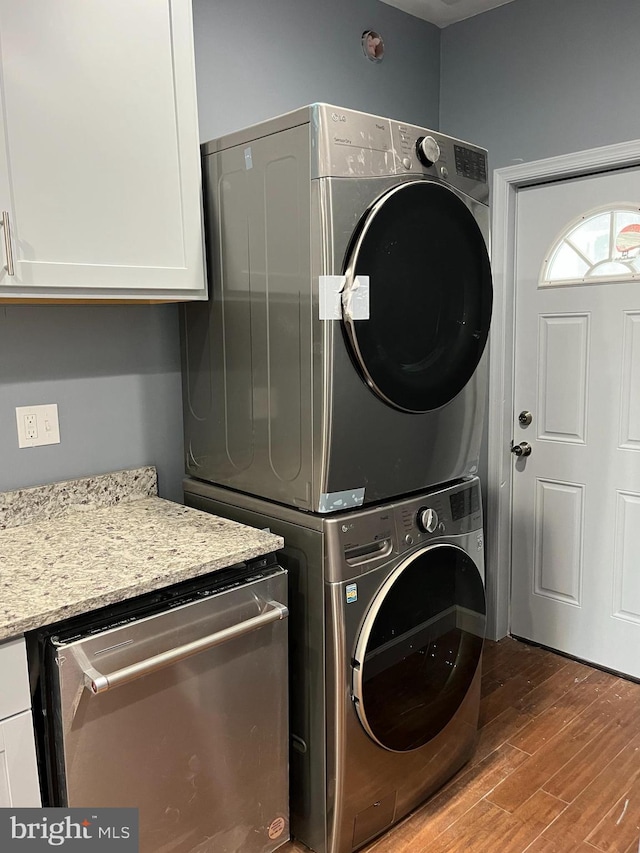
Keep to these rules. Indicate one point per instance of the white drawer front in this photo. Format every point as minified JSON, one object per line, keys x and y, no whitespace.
{"x":19,"y":786}
{"x":14,"y":693}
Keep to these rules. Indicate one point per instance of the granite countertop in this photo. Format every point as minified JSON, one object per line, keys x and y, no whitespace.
{"x":83,"y":544}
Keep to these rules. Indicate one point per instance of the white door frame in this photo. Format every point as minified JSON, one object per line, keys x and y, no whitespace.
{"x":507,"y":183}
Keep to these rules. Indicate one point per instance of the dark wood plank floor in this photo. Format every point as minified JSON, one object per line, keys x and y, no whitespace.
{"x":556,"y":769}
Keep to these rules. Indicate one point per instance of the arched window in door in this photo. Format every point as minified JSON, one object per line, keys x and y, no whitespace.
{"x":603,"y":244}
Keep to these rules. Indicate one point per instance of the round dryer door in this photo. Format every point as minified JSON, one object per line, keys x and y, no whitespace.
{"x":430,"y":296}
{"x":419,"y":647}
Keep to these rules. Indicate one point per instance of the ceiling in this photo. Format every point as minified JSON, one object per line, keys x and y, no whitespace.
{"x":444,"y":12}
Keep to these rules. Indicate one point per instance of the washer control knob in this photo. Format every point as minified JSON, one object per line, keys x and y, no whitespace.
{"x":428,"y":519}
{"x":428,"y":150}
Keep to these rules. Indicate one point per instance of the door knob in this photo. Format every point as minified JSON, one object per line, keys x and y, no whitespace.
{"x":522,"y":449}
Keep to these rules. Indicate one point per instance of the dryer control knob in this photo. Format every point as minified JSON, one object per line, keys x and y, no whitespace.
{"x":428,"y":520}
{"x":428,"y":150}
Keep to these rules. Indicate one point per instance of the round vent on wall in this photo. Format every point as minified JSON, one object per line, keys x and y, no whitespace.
{"x":373,"y":45}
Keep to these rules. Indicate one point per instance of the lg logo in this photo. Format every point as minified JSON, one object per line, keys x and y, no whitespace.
{"x":337,"y":117}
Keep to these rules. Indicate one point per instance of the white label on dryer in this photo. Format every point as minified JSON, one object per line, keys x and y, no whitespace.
{"x":248,"y":158}
{"x":329,"y":296}
{"x":335,"y":297}
{"x":351,"y":592}
{"x":355,"y":299}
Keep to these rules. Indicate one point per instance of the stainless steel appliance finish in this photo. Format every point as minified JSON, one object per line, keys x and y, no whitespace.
{"x":386,"y":627}
{"x":181,"y":712}
{"x":304,"y":212}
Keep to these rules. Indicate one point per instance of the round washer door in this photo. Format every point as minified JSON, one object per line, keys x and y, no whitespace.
{"x":419,"y":647}
{"x":430,"y":296}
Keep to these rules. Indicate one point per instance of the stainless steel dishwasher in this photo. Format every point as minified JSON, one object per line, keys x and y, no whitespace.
{"x":174,"y":703}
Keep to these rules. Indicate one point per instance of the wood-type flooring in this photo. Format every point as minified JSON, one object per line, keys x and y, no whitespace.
{"x":556,"y":768}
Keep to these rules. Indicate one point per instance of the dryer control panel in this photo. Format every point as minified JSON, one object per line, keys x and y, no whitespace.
{"x":426,"y":152}
{"x":347,"y":143}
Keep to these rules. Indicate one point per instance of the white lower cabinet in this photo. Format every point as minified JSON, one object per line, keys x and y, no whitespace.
{"x":19,"y":785}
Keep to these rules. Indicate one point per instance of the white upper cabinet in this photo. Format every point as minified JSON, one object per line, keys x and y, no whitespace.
{"x":100,"y":182}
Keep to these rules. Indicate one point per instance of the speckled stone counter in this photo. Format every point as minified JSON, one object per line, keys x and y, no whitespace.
{"x":40,"y":503}
{"x":92,"y":555}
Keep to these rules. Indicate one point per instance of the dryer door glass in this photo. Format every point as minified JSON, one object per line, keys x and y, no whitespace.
{"x":420,"y":648}
{"x":430,"y":296}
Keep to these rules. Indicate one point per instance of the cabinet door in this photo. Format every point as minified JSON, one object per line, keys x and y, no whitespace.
{"x":101,"y":163}
{"x":14,"y":695}
{"x":19,"y":786}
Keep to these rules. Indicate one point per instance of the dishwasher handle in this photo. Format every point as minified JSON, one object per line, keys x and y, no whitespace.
{"x":96,"y":682}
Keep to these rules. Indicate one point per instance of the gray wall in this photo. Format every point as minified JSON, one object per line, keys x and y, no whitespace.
{"x":115,"y":370}
{"x":257,"y":59}
{"x":538,"y":78}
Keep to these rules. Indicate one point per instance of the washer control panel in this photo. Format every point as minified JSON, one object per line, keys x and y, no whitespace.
{"x":446,"y":512}
{"x":428,"y":519}
{"x":359,"y":541}
{"x":424,"y":518}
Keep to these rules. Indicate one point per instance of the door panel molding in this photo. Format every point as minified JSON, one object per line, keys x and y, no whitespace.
{"x":507,"y":183}
{"x":626,"y":584}
{"x":563,"y":357}
{"x":558,"y":579}
{"x":630,"y":405}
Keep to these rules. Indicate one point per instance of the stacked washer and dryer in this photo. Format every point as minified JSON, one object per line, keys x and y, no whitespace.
{"x":334,"y":390}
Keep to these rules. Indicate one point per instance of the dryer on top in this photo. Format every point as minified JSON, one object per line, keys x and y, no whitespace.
{"x":340,"y":358}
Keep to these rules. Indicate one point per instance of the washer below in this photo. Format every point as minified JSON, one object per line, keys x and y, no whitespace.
{"x":387,"y":617}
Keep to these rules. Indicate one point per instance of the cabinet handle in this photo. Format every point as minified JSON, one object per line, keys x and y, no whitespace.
{"x":7,"y":243}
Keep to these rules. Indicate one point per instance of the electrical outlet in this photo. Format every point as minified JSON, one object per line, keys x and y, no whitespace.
{"x":38,"y":425}
{"x":31,"y":426}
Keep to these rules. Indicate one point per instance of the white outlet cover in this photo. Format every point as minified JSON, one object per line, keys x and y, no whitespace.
{"x":37,"y":425}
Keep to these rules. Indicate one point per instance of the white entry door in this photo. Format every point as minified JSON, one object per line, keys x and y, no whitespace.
{"x":576,"y":497}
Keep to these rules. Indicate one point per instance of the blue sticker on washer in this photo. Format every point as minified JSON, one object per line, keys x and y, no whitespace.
{"x":352,"y":592}
{"x":335,"y":501}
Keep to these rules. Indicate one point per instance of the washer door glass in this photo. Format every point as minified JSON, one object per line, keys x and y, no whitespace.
{"x":430,"y":296}
{"x":419,"y":647}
